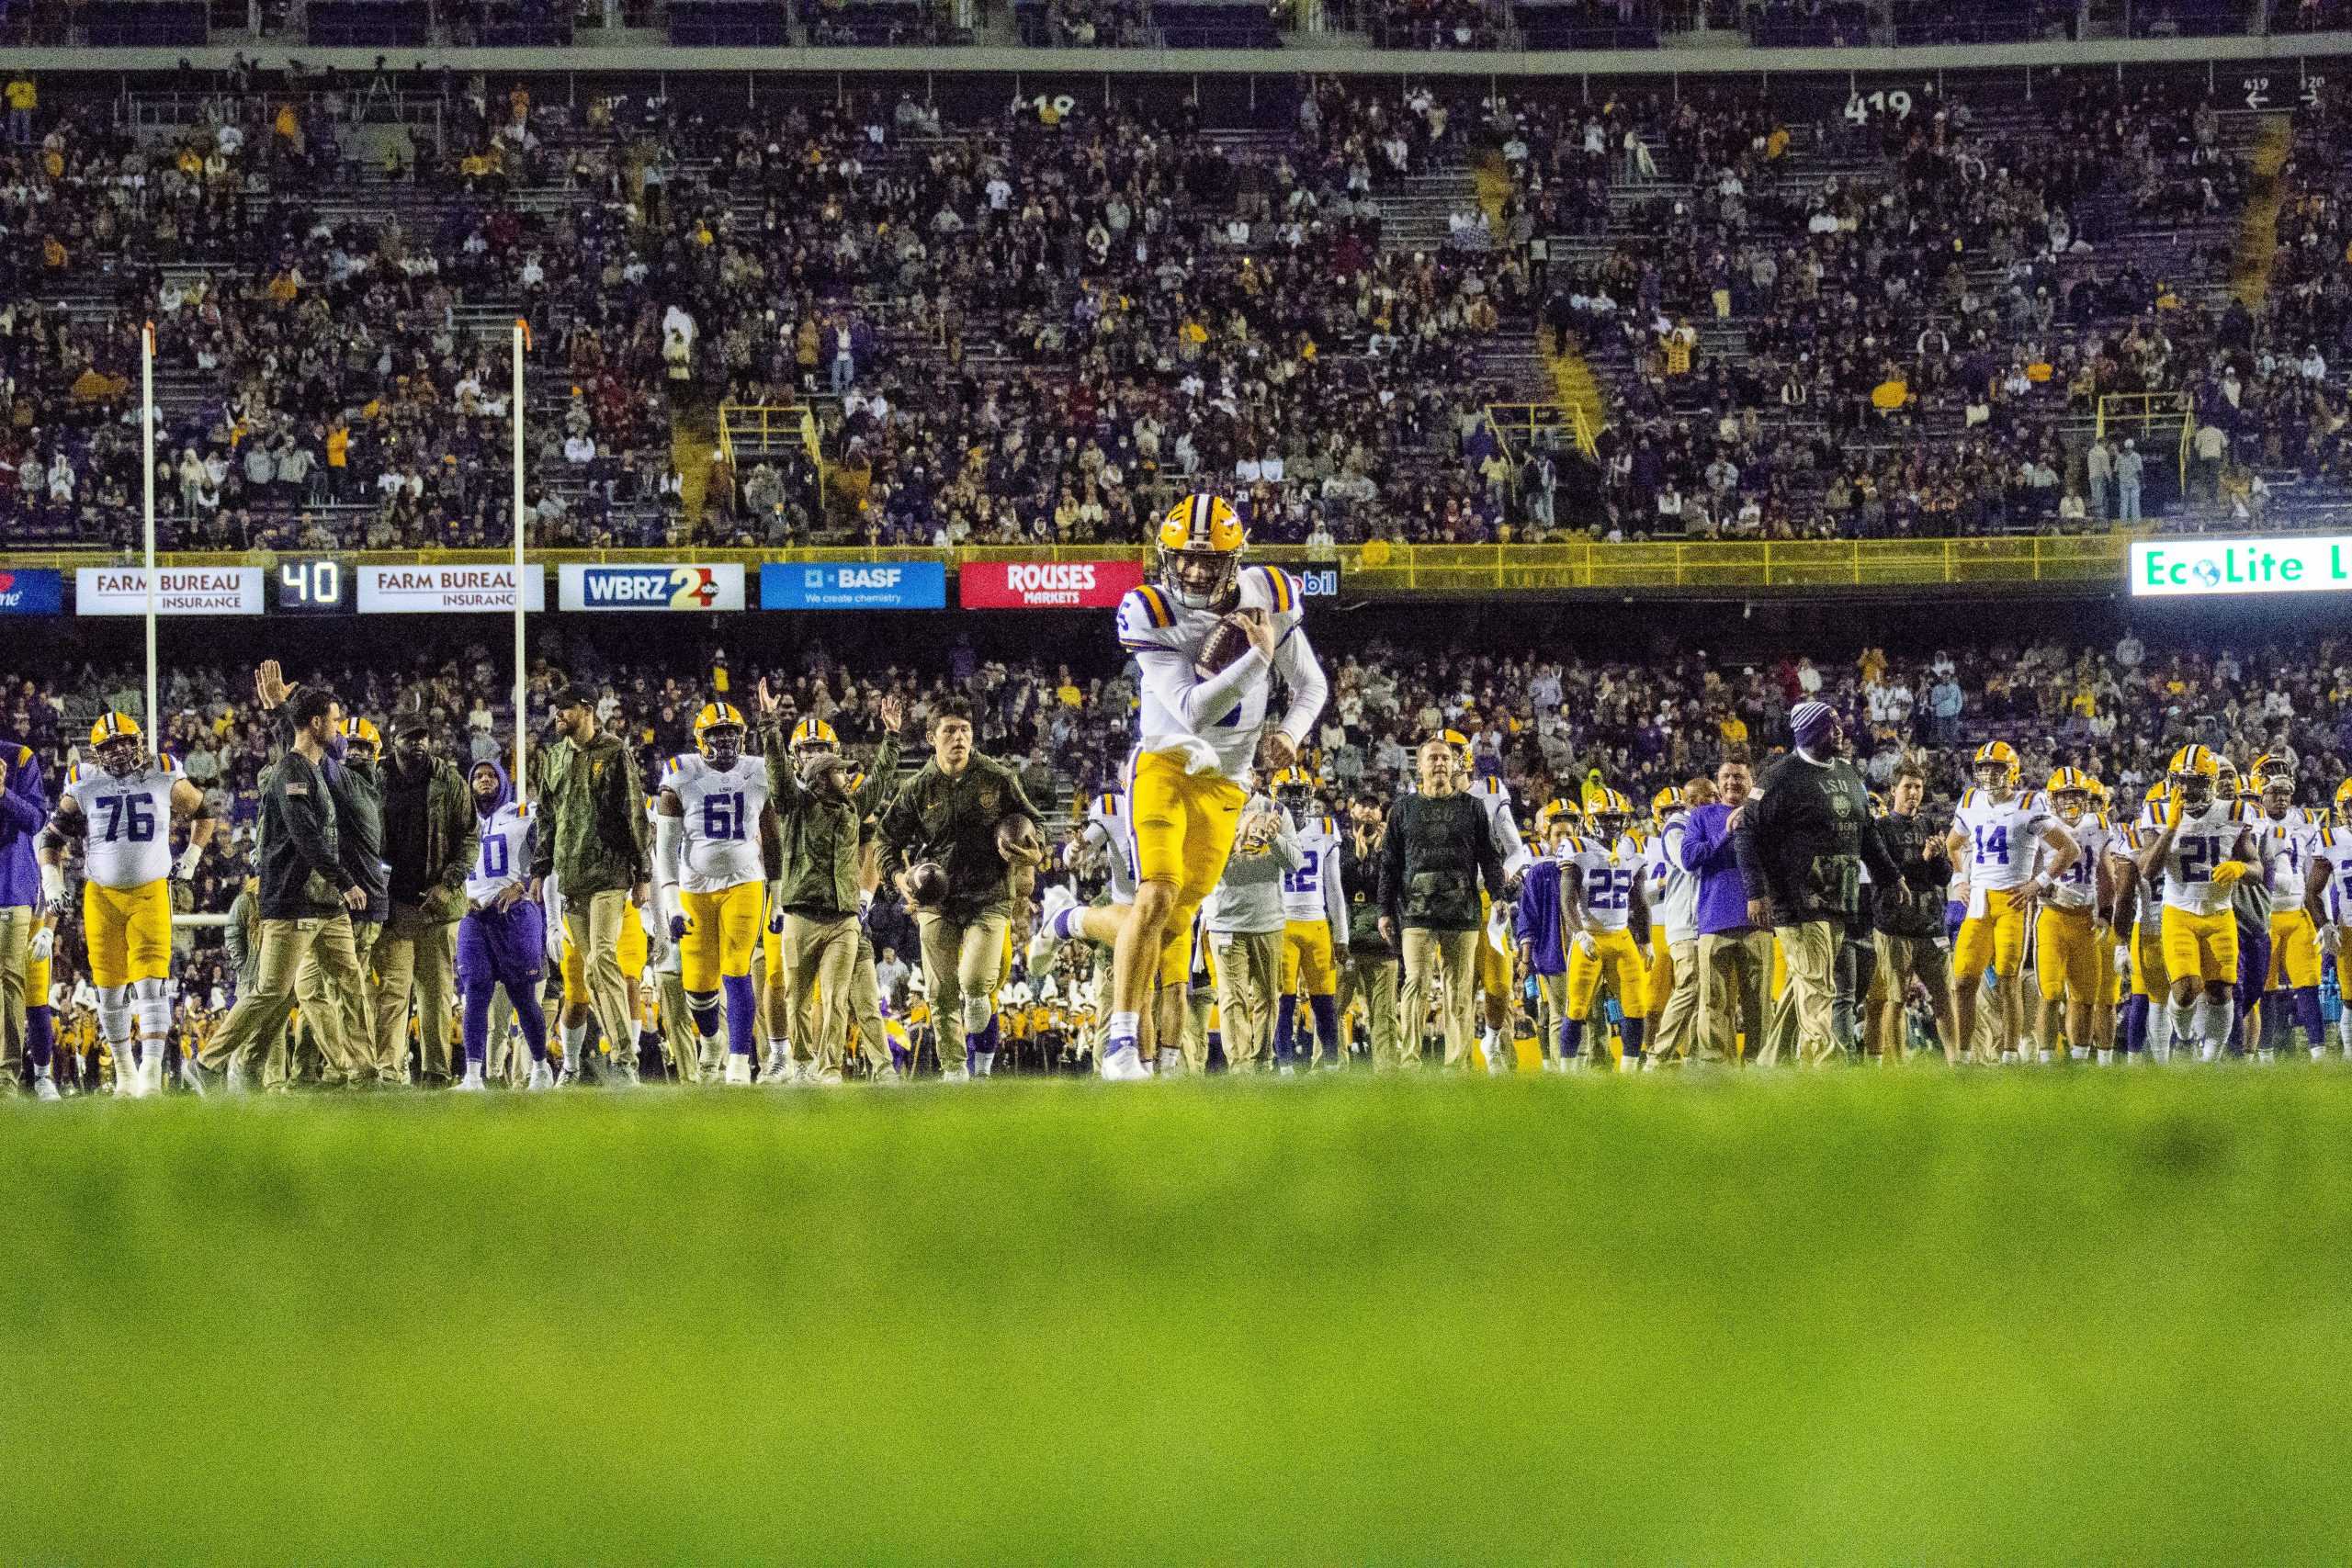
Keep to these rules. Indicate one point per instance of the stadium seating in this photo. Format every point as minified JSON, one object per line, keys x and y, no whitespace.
{"x":728,"y":24}
{"x":1214,"y":23}
{"x":149,"y":23}
{"x":353,"y":24}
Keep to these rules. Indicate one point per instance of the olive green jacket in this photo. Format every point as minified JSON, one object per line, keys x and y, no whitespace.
{"x":954,"y":821}
{"x":820,"y":835}
{"x":593,"y":802}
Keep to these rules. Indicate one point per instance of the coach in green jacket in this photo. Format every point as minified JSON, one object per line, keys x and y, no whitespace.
{"x":819,"y":814}
{"x":594,"y":804}
{"x":431,"y":836}
{"x":949,"y":813}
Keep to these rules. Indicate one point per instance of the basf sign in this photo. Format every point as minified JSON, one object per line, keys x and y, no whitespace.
{"x":716,"y":586}
{"x":861,"y":585}
{"x":2213,"y":567}
{"x":427,"y":590}
{"x":179,"y":590}
{"x":1049,"y":586}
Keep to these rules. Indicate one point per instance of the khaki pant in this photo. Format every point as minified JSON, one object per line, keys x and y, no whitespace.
{"x":1551,"y":1011}
{"x":259,"y":1017}
{"x":1431,"y":955}
{"x":1811,"y":952}
{"x":820,"y":957}
{"x":1733,"y":967}
{"x":866,"y":1008}
{"x":963,"y":964}
{"x":1371,"y":976}
{"x":352,"y":1005}
{"x":1900,"y":960}
{"x":416,"y":958}
{"x":15,"y":957}
{"x":611,"y":990}
{"x":1678,"y":1018}
{"x":678,"y":1034}
{"x":1249,"y":969}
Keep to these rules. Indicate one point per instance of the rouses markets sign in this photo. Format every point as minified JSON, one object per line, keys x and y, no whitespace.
{"x":1048,"y":585}
{"x":2206,"y":568}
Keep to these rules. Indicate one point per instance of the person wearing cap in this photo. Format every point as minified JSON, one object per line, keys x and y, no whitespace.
{"x":24,"y":812}
{"x":594,"y":843}
{"x":431,"y":835}
{"x":1802,"y":844}
{"x":345,"y":1054}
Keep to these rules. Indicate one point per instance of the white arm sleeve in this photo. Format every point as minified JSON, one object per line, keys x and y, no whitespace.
{"x":667,"y":832}
{"x":1288,"y":854}
{"x":1335,"y":900}
{"x":1508,"y":844}
{"x":1294,"y":660}
{"x":1168,"y":673}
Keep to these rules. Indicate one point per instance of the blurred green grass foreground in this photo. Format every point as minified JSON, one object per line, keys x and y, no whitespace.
{"x":2030,"y":1318}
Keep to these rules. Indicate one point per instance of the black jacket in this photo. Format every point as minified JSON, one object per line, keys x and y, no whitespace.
{"x":1437,"y":851}
{"x":1915,"y":907}
{"x":299,"y":851}
{"x":1804,"y":839}
{"x":1360,"y":879}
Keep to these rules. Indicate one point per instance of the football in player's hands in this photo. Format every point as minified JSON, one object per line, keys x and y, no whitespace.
{"x":1227,"y":641}
{"x":926,"y":885}
{"x":1017,"y":840}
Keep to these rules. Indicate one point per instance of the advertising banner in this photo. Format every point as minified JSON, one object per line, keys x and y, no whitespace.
{"x":179,"y":590}
{"x":858,"y":585}
{"x":1049,"y":586}
{"x":427,"y":590}
{"x":2212,"y":568}
{"x":34,"y":590}
{"x":716,"y":586}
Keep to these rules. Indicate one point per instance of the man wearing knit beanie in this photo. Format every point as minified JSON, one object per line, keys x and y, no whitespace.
{"x":1803,"y":843}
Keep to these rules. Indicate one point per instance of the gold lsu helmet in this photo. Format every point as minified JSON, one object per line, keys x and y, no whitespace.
{"x":117,"y":740}
{"x":2195,"y":775}
{"x":1558,"y":811}
{"x":2070,"y":790}
{"x":1294,"y":786}
{"x":1998,"y":760}
{"x":1604,"y":807}
{"x":1201,"y":540}
{"x":813,"y":735}
{"x":362,"y":732}
{"x":2344,"y":801}
{"x":1665,"y":801}
{"x":719,"y":732}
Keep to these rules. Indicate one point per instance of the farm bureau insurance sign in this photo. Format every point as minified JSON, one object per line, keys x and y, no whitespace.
{"x":1048,"y":585}
{"x":424,"y":590}
{"x":2206,"y":568}
{"x":179,"y":590}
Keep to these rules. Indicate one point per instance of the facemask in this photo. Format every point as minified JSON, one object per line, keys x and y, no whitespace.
{"x":337,"y":746}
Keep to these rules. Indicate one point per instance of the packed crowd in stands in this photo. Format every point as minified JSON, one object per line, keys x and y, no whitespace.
{"x":1031,"y":330}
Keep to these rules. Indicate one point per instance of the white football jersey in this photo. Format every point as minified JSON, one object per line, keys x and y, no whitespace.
{"x":1609,"y":872}
{"x":504,"y":858}
{"x":2333,"y":845}
{"x":1673,"y":893}
{"x":1306,"y":888}
{"x":1490,"y":795}
{"x":719,"y":846}
{"x":1216,"y":723}
{"x":2287,"y":849}
{"x":2001,"y":835}
{"x":2077,"y":886}
{"x":2204,"y":842}
{"x":1110,"y":829}
{"x":127,"y":831}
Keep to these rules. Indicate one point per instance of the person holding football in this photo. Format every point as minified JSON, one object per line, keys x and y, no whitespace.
{"x":1209,"y":639}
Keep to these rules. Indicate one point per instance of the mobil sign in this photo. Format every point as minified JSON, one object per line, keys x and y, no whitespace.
{"x":1049,"y":586}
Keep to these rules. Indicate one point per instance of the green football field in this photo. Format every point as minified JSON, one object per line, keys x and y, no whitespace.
{"x":2035,"y":1316}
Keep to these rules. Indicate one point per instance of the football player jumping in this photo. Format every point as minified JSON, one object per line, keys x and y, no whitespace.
{"x":1200,"y":731}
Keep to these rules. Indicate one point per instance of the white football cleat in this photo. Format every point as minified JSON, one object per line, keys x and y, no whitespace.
{"x":830,"y":1078}
{"x":959,"y":1075}
{"x":1171,"y":1062}
{"x":1285,"y":1071}
{"x":1044,"y":943}
{"x":738,"y":1068}
{"x":542,"y":1078}
{"x":45,"y":1088}
{"x":1123,"y":1064}
{"x":471,"y":1084}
